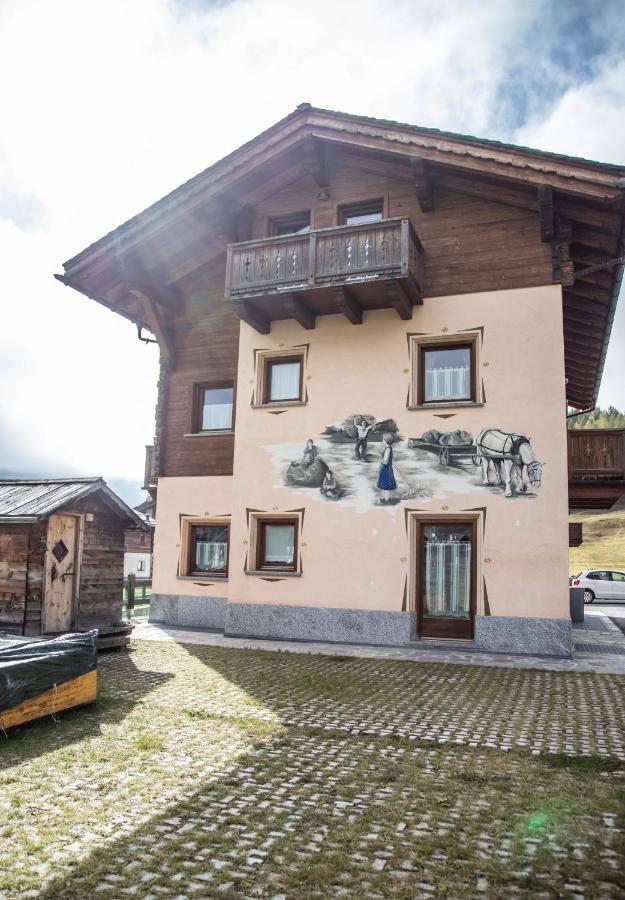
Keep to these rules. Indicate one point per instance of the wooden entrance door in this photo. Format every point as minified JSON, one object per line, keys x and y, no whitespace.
{"x":61,"y":567}
{"x":446,"y":582}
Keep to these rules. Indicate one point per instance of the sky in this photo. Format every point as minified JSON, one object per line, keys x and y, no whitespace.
{"x":106,"y":105}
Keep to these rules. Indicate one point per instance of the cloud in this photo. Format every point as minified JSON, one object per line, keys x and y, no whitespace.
{"x":113,"y":104}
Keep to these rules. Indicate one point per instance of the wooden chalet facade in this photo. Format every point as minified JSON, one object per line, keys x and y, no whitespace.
{"x":369,"y":334}
{"x":62,"y":556}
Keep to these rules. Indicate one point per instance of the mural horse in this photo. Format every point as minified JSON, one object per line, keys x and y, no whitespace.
{"x":510,"y":455}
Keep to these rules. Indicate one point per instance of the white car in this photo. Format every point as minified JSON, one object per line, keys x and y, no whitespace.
{"x":600,"y":584}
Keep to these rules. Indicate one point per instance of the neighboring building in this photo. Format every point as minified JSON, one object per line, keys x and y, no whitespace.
{"x":369,"y":334}
{"x":138,"y":545}
{"x":62,"y":556}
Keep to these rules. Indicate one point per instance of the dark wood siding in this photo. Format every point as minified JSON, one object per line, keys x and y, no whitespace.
{"x":13,"y":572}
{"x":471,"y":244}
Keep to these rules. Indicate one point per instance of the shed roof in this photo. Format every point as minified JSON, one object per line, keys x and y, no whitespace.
{"x":30,"y":500}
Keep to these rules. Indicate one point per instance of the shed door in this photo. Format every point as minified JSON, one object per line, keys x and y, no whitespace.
{"x":60,"y":573}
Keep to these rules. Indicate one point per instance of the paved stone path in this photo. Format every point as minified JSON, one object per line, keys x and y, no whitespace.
{"x":587,"y":659}
{"x":205,"y":771}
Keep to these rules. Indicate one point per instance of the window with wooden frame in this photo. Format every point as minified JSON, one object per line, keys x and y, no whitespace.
{"x":295,"y":223}
{"x":361,"y":213}
{"x":213,"y":407}
{"x":279,"y":378}
{"x":277,"y":544}
{"x":208,"y":549}
{"x":445,"y":371}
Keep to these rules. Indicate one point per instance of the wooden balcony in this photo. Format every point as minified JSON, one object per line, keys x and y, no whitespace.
{"x":347,"y":269}
{"x":150,"y":476}
{"x":596,"y":460}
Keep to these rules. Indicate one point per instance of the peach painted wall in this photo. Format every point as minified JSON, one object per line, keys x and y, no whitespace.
{"x":193,"y":496}
{"x":361,"y":559}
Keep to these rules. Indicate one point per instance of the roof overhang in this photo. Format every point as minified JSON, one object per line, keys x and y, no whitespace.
{"x":592,"y":192}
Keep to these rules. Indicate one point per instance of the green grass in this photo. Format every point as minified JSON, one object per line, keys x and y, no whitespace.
{"x":604,"y":541}
{"x":204,"y":771}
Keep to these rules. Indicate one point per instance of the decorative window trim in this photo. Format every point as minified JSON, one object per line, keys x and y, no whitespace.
{"x":187,"y":523}
{"x":264,"y":358}
{"x":195,"y":419}
{"x":419,"y":344}
{"x":257,"y":520}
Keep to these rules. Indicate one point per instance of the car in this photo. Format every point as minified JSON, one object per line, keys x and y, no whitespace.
{"x":600,"y":584}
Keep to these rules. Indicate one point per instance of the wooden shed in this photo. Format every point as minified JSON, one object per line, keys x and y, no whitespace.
{"x":62,"y":557}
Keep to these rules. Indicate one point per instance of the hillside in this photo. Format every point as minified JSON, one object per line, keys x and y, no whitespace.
{"x":604,"y":540}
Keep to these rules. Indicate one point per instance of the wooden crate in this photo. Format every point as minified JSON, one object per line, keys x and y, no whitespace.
{"x":72,"y":693}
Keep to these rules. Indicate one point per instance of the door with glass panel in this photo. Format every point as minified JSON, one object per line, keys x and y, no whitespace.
{"x":446,"y":567}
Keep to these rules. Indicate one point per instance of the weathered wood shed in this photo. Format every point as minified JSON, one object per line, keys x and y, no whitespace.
{"x":62,"y":556}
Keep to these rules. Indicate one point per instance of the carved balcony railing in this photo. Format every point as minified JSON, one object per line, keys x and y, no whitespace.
{"x":596,"y":454}
{"x":346,"y":269}
{"x":150,"y":475}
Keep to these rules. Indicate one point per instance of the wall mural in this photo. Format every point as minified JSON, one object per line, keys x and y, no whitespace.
{"x":364,"y":461}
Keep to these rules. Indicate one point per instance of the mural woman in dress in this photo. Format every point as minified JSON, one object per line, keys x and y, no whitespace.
{"x":386,"y":478}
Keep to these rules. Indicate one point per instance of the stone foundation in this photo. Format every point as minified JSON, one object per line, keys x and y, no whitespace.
{"x":196,"y":612}
{"x":519,"y":634}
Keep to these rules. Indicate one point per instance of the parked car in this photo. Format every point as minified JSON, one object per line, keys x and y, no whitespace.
{"x":600,"y":584}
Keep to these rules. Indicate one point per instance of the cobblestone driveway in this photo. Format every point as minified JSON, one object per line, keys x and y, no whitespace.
{"x":206,"y":772}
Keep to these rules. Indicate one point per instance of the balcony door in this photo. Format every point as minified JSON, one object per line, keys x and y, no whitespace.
{"x":446,"y":580}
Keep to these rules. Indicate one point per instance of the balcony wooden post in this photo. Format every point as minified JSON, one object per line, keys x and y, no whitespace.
{"x":347,"y":304}
{"x":298,"y":310}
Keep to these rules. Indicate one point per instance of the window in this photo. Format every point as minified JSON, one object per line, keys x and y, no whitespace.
{"x":361,"y":213}
{"x":446,"y":570}
{"x":208,"y":550}
{"x":213,"y":407}
{"x":618,"y":576}
{"x":599,"y":576}
{"x":277,"y":544}
{"x":446,"y":372}
{"x":298,"y":223}
{"x":447,"y":551}
{"x":283,"y":379}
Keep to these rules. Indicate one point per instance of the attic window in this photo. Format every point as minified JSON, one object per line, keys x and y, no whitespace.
{"x":361,"y":213}
{"x":297,"y":223}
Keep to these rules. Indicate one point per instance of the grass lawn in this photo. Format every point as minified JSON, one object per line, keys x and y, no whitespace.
{"x":604,"y":541}
{"x":206,"y":772}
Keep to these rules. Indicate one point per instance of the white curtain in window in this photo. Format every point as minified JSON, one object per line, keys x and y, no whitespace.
{"x":279,"y":543}
{"x":211,"y":557}
{"x":447,"y":579}
{"x":284,"y":381}
{"x":217,"y":409}
{"x":450,"y":381}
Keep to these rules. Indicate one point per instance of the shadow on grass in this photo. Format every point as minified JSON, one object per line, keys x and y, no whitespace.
{"x":308,"y":814}
{"x":121,"y":685}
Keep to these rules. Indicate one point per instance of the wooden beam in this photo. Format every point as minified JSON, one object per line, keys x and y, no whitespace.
{"x":592,"y":292}
{"x":424,"y":186}
{"x":347,"y":304}
{"x":298,"y":310}
{"x":158,"y":326}
{"x":315,"y":154}
{"x":254,"y":318}
{"x":546,"y":212}
{"x":398,"y":298}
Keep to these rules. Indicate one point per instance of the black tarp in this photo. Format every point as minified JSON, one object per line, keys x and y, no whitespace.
{"x":31,"y":666}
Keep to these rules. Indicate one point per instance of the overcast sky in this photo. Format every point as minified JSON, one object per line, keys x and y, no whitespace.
{"x":106,"y":105}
